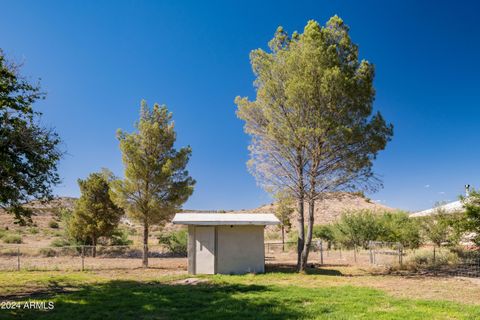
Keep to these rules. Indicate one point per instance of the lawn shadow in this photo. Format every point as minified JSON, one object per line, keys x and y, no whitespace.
{"x":119,"y":299}
{"x":290,"y":268}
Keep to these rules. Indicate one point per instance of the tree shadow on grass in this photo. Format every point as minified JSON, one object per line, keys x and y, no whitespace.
{"x":139,"y":300}
{"x":289,"y":268}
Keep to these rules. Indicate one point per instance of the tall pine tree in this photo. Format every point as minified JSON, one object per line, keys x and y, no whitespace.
{"x":156,"y":181}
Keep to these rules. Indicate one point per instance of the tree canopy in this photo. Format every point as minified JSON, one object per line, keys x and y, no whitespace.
{"x":312,"y":123}
{"x":156,"y":181}
{"x":28,"y":152}
{"x":95,"y":215}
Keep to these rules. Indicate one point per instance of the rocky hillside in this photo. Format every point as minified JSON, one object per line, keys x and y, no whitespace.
{"x":334,"y":205}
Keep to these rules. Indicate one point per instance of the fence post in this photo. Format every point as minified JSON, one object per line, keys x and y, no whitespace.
{"x":355,"y":253}
{"x":18,"y":258}
{"x":83,"y":257}
{"x":370,"y":251}
{"x":321,"y":252}
{"x":400,"y":254}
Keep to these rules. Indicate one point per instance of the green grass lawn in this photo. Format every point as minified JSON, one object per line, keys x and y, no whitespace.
{"x":88,"y":296}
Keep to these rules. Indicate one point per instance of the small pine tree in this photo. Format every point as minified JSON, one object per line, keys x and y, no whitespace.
{"x":95,"y":215}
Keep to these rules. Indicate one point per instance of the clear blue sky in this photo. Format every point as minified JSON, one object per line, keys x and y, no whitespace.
{"x":98,"y":59}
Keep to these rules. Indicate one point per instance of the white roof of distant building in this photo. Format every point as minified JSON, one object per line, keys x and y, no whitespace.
{"x":213,"y":219}
{"x":447,"y":208}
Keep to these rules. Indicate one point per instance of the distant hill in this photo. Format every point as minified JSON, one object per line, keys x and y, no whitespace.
{"x":41,"y":233}
{"x":331,"y":208}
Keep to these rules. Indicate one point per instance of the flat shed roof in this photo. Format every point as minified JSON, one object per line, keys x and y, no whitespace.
{"x":215,"y":219}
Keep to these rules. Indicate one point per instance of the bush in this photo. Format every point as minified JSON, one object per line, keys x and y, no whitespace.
{"x":53,"y":224}
{"x":175,"y":241}
{"x":61,"y":243}
{"x":424,"y":259}
{"x":120,"y":238}
{"x":12,"y":238}
{"x":48,"y":252}
{"x":33,"y":230}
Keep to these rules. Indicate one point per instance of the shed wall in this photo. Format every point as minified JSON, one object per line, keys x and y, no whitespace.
{"x":240,"y":249}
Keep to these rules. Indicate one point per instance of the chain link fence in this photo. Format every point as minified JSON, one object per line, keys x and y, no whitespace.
{"x":21,"y":257}
{"x":387,"y":255}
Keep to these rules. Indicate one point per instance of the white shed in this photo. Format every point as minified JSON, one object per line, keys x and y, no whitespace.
{"x":227,"y":243}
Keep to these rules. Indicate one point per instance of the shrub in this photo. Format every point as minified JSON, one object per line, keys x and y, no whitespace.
{"x":53,"y":224}
{"x":3,"y":233}
{"x":48,"y":252}
{"x":425,"y":259}
{"x":33,"y":230}
{"x":175,"y":241}
{"x":61,"y":243}
{"x":120,"y":238}
{"x":12,"y":238}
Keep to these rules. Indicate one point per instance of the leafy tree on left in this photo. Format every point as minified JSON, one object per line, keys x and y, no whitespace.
{"x":29,"y":153}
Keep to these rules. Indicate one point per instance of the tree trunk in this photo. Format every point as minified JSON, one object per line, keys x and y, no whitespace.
{"x":283,"y":238}
{"x":145,"y":245}
{"x":94,"y":248}
{"x":301,"y":234}
{"x":308,"y":240}
{"x":300,"y":219}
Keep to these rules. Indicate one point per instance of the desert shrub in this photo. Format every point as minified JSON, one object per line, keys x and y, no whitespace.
{"x":33,"y":230}
{"x":53,"y":224}
{"x":61,"y":242}
{"x":175,"y":241}
{"x":120,"y":237}
{"x":3,"y":233}
{"x":12,"y":238}
{"x":48,"y":252}
{"x":426,"y":259}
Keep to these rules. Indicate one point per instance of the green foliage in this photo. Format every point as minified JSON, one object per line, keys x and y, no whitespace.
{"x":443,"y":228}
{"x":95,"y":215}
{"x":12,"y":238}
{"x":33,"y":230}
{"x":156,"y":181}
{"x":427,"y":259}
{"x":53,"y":224}
{"x":398,"y":227}
{"x":285,"y":206}
{"x":326,"y":233}
{"x":357,"y":228}
{"x":175,"y":241}
{"x":62,"y":242}
{"x":312,"y":123}
{"x":28,"y":152}
{"x":120,"y":237}
{"x":472,"y":211}
{"x":153,"y":165}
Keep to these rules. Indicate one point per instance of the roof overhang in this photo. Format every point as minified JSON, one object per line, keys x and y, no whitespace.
{"x":217,"y":219}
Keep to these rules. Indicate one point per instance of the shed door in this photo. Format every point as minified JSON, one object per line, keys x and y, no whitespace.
{"x":205,"y":250}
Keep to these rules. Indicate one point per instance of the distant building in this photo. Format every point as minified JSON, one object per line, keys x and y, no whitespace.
{"x":447,"y":208}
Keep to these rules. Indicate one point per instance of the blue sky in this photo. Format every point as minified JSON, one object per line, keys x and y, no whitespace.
{"x":98,"y":59}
